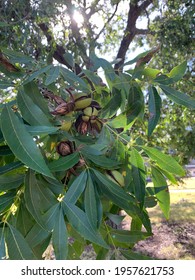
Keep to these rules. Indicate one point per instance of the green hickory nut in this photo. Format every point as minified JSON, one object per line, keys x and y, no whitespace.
{"x":90,"y":111}
{"x":82,"y":101}
{"x":116,"y":177}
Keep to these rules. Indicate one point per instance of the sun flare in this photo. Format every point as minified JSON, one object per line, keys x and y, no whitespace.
{"x":78,"y":17}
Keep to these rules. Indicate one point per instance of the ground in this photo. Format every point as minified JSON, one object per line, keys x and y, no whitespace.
{"x":170,"y":241}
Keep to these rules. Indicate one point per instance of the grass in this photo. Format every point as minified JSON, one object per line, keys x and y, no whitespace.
{"x":187,"y":183}
{"x":182,"y":206}
{"x":176,"y":236}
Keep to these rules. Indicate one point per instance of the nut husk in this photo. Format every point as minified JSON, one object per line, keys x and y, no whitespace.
{"x":64,"y":148}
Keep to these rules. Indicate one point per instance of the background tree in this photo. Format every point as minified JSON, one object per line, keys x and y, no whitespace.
{"x":75,"y":145}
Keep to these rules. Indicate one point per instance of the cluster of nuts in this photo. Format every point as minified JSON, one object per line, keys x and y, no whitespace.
{"x":86,"y":122}
{"x":76,"y":102}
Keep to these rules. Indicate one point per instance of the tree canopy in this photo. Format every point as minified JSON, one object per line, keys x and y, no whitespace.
{"x":48,"y":30}
{"x":80,"y":135}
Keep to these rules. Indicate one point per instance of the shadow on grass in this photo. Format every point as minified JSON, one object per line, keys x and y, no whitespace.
{"x":173,"y":238}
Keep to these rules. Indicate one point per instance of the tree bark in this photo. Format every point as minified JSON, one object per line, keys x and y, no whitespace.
{"x":59,"y":50}
{"x":131,"y":31}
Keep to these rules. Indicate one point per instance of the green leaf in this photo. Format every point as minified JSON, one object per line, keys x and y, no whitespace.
{"x":2,"y":244}
{"x":164,"y":80}
{"x":11,"y":166}
{"x":64,"y":163}
{"x":101,"y":62}
{"x":60,"y":238}
{"x":41,"y":130}
{"x":75,"y":250}
{"x":8,"y":182}
{"x":132,"y":61}
{"x":150,"y":72}
{"x":179,"y":97}
{"x":136,"y":224}
{"x":31,"y":89}
{"x":24,"y":220}
{"x":150,"y":201}
{"x":162,"y":196}
{"x":76,"y":188}
{"x":135,"y":103}
{"x":170,"y":177}
{"x":6,"y":200}
{"x":3,"y":24}
{"x":74,"y":80}
{"x":41,"y":249}
{"x":92,"y":77}
{"x":5,"y":84}
{"x":36,"y":235}
{"x":108,"y":70}
{"x":18,"y":248}
{"x":133,"y":112}
{"x":95,"y":149}
{"x":30,"y":111}
{"x":119,"y":121}
{"x":21,"y":142}
{"x":113,"y":192}
{"x":36,"y":74}
{"x":142,"y":214}
{"x":178,"y":72}
{"x":52,"y":75}
{"x":69,"y":59}
{"x":79,"y":221}
{"x":55,"y":186}
{"x":91,"y":203}
{"x":51,"y":216}
{"x":102,"y":161}
{"x":116,"y":219}
{"x":111,"y":108}
{"x":5,"y":151}
{"x":130,"y":255}
{"x":154,"y":104}
{"x":16,"y":56}
{"x":130,"y":237}
{"x":138,"y":174}
{"x":1,"y":136}
{"x":166,"y":162}
{"x":134,"y":94}
{"x":38,"y":198}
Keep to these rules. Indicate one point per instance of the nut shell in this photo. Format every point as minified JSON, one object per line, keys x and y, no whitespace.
{"x":64,"y":148}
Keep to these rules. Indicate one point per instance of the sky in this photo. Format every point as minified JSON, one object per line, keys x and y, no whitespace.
{"x":123,"y":7}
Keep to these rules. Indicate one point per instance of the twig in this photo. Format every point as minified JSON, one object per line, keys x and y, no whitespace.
{"x":109,"y":19}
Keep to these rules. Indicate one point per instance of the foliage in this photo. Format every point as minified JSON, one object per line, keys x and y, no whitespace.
{"x":53,"y":30}
{"x":79,"y":136}
{"x":70,"y":160}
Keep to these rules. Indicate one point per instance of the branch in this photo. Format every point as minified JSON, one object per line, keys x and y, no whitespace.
{"x":93,"y":9}
{"x":59,"y":50}
{"x":130,"y":31}
{"x":140,"y":31}
{"x":144,"y":5}
{"x":109,"y":19}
